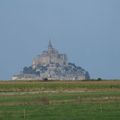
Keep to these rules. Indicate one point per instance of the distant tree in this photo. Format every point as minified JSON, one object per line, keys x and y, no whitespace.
{"x":99,"y":79}
{"x":87,"y":76}
{"x":45,"y":79}
{"x":72,"y":64}
{"x":28,"y":70}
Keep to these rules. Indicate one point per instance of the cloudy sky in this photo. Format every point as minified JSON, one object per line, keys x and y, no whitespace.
{"x":88,"y":31}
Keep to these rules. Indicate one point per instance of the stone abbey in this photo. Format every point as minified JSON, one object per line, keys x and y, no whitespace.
{"x":52,"y":65}
{"x":51,"y":56}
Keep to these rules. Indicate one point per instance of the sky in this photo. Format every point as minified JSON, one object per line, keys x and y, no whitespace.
{"x":88,"y":31}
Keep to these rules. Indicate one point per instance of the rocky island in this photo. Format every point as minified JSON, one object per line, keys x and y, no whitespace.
{"x":52,"y":65}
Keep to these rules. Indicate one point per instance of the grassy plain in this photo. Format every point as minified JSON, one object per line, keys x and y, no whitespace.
{"x":60,"y":100}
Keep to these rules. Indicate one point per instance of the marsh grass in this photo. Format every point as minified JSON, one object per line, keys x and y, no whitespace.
{"x":71,"y":100}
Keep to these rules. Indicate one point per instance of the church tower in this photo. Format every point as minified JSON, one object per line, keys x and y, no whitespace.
{"x":50,"y":47}
{"x":51,"y":50}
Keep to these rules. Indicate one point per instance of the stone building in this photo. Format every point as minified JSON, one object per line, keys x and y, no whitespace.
{"x":50,"y":56}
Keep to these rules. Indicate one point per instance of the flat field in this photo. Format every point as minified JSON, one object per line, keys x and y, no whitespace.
{"x":60,"y":100}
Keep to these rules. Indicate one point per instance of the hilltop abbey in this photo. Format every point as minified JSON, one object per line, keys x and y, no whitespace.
{"x":52,"y":65}
{"x":51,"y":56}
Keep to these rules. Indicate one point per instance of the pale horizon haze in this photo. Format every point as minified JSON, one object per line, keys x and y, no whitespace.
{"x":88,"y":31}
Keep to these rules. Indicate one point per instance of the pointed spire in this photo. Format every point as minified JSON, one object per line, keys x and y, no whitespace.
{"x":50,"y":45}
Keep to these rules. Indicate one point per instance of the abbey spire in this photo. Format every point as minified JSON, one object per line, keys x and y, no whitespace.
{"x":50,"y":45}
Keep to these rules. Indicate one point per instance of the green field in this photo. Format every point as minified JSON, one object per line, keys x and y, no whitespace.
{"x":60,"y":100}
